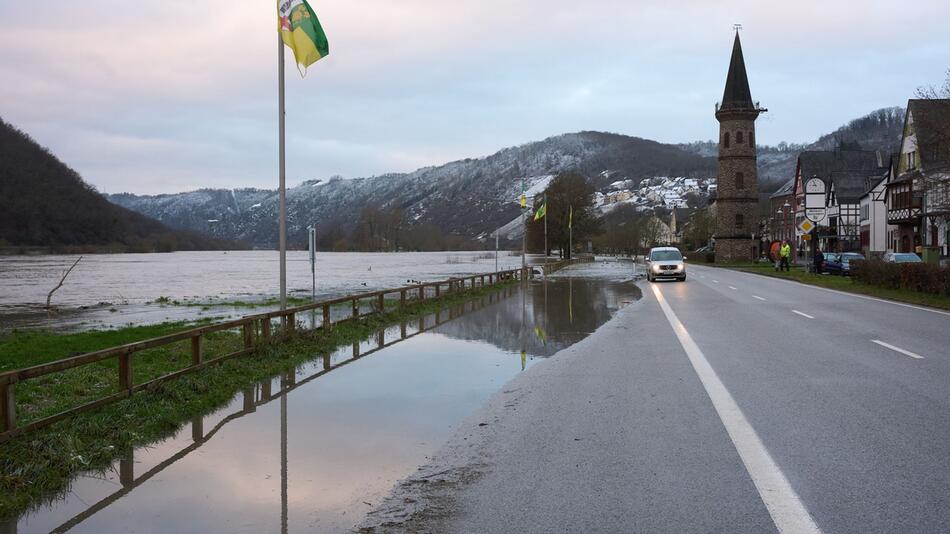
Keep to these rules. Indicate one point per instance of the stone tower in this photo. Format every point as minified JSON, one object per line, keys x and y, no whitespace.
{"x":738,"y":183}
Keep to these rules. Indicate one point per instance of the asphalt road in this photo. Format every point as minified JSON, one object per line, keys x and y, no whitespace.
{"x":729,"y":403}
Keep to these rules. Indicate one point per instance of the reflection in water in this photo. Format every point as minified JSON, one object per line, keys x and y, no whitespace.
{"x":343,"y":439}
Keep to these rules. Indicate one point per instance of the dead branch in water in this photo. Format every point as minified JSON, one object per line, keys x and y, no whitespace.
{"x":49,"y":297}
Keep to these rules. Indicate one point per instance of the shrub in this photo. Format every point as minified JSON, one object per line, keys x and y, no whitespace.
{"x":920,"y":277}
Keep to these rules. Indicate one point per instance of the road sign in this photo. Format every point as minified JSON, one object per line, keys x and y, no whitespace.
{"x":806,"y":227}
{"x":815,"y":208}
{"x":807,"y":237}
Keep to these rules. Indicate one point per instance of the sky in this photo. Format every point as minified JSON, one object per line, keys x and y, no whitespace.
{"x":163,"y":96}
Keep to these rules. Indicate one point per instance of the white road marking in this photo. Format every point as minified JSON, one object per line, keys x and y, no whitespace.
{"x":802,"y":314}
{"x":732,"y":288}
{"x":758,"y":297}
{"x":898,"y":349}
{"x":786,"y":508}
{"x":715,"y":281}
{"x":846,"y":294}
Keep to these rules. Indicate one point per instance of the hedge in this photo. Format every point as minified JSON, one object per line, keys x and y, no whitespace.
{"x":920,"y":277}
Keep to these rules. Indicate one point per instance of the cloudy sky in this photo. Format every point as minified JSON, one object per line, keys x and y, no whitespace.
{"x":171,"y":95}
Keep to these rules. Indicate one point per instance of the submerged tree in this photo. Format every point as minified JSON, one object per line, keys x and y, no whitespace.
{"x":568,"y":192}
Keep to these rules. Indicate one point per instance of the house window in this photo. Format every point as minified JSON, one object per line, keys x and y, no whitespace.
{"x":740,"y":180}
{"x":740,"y":221}
{"x":726,"y":142}
{"x":739,"y":138}
{"x":911,"y":161}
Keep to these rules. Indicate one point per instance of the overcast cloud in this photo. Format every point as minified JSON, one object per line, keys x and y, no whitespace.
{"x":171,"y":95}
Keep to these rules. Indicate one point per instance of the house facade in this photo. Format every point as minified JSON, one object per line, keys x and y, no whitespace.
{"x":874,"y":229}
{"x":918,"y":191}
{"x":845,"y":174}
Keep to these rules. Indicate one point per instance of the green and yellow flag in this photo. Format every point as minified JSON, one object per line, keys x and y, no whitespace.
{"x":301,"y":31}
{"x":542,"y":211}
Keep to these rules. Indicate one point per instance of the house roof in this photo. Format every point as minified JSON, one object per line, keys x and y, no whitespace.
{"x":823,"y":163}
{"x":737,"y":94}
{"x":849,"y":186}
{"x":932,"y":126}
{"x":787,"y":189}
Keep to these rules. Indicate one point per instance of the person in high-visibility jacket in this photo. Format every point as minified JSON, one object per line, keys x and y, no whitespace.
{"x":785,"y":253}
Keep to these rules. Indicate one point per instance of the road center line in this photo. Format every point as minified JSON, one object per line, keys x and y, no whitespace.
{"x":802,"y":314}
{"x":898,"y":349}
{"x":715,"y":281}
{"x":758,"y":297}
{"x":732,"y":288}
{"x":786,"y":508}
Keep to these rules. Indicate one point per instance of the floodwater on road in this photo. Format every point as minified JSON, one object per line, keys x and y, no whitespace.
{"x":110,"y":290}
{"x":315,"y":450}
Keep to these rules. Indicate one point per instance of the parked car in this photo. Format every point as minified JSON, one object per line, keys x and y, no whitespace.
{"x":829,"y":257}
{"x":902,"y":257}
{"x":665,"y":262}
{"x":841,"y":263}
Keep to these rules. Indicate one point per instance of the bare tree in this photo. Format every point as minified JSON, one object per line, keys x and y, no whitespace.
{"x":930,"y":92}
{"x":49,"y":297}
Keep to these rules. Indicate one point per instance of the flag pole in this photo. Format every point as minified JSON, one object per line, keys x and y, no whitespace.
{"x":524,"y":234}
{"x":570,"y":233}
{"x":282,"y":190}
{"x":545,"y":227}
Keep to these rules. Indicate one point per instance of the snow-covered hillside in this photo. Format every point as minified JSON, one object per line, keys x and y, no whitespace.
{"x":471,"y":198}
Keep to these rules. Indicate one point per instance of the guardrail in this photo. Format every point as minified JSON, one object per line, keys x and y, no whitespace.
{"x":255,"y":329}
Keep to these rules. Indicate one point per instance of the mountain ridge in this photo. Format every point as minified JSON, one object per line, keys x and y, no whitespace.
{"x":473,"y":197}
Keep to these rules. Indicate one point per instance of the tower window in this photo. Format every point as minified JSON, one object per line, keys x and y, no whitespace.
{"x":740,"y":221}
{"x":752,"y":139}
{"x":739,"y":138}
{"x":740,"y":180}
{"x":726,"y":141}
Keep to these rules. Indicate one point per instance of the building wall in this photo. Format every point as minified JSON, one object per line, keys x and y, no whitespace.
{"x":735,"y":197}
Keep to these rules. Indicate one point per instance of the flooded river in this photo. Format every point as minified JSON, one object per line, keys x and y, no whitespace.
{"x":316,"y":450}
{"x":110,"y":290}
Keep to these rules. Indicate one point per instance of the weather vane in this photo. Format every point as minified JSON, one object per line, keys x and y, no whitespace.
{"x":737,"y":27}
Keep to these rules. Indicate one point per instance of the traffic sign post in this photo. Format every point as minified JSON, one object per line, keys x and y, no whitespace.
{"x":815,"y":206}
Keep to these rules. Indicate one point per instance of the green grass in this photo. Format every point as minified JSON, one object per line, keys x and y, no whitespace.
{"x":841,"y":283}
{"x":39,"y":466}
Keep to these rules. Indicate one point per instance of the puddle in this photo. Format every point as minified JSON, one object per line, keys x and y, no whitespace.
{"x":317,"y":450}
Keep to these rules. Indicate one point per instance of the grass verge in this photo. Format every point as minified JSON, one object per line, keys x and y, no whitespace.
{"x":841,"y":283}
{"x":38,"y":467}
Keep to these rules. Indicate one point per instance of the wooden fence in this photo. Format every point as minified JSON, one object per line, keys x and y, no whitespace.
{"x":548,"y":268}
{"x":255,"y":329}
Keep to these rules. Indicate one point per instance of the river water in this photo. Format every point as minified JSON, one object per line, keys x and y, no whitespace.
{"x":111,"y":290}
{"x":316,"y":450}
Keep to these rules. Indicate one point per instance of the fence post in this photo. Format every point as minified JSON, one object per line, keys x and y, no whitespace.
{"x":127,"y":469}
{"x":402,"y":298}
{"x":7,"y":408}
{"x":125,"y":371}
{"x":248,"y":339}
{"x":381,"y":338}
{"x":356,"y":308}
{"x":265,"y":328}
{"x":402,"y":330}
{"x":196,"y":350}
{"x":382,"y":303}
{"x":422,"y":292}
{"x":292,"y":323}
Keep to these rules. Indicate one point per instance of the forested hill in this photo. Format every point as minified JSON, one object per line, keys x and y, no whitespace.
{"x":45,"y":204}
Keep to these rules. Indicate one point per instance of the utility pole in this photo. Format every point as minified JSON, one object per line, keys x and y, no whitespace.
{"x":524,"y":234}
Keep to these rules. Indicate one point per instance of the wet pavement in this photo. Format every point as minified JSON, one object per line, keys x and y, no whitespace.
{"x":317,"y":450}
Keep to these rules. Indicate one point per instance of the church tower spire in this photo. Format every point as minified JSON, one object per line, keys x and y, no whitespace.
{"x":737,"y":182}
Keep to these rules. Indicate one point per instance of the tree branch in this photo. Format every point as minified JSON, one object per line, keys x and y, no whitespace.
{"x":49,"y":297}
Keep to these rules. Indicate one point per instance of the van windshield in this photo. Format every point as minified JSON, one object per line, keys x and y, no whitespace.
{"x":666,"y":255}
